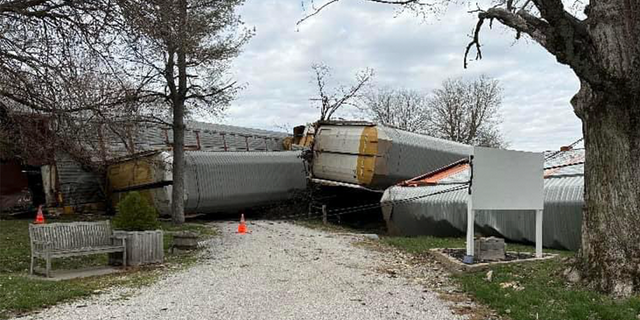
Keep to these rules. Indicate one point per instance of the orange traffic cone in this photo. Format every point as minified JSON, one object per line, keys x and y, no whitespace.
{"x":242,"y":227}
{"x":40,"y":216}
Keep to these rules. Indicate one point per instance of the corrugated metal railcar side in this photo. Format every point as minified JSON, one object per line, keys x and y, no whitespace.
{"x":446,"y":214}
{"x":378,"y":157}
{"x":229,"y":181}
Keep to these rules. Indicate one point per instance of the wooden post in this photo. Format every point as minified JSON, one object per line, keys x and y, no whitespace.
{"x":538,"y":233}
{"x":324,"y":214}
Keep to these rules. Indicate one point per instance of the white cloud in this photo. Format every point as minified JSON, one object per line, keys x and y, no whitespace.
{"x":405,"y":52}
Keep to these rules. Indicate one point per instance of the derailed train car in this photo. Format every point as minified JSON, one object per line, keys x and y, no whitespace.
{"x":425,"y":206}
{"x":214,"y":181}
{"x":375,"y":156}
{"x":218,"y":182}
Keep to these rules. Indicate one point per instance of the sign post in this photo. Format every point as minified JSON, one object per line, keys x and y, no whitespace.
{"x":538,"y":233}
{"x":504,"y":180}
{"x":471,"y":220}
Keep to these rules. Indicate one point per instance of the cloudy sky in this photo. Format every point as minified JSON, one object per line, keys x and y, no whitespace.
{"x":405,"y":51}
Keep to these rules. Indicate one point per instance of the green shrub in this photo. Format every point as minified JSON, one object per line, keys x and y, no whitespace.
{"x":135,"y":214}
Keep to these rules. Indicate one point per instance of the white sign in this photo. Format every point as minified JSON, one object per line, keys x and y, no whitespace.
{"x":507,"y":180}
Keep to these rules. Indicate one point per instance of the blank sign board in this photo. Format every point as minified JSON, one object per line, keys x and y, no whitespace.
{"x":507,"y":180}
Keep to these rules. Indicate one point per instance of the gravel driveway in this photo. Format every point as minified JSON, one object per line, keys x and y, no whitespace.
{"x":279,"y":271}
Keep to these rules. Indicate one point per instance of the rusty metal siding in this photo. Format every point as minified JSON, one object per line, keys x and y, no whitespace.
{"x":230,"y":181}
{"x":139,"y":171}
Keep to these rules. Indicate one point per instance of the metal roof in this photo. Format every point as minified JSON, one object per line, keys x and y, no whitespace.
{"x":565,"y":163}
{"x":213,"y":137}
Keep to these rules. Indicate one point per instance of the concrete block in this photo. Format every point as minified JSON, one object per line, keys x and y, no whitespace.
{"x":489,"y":249}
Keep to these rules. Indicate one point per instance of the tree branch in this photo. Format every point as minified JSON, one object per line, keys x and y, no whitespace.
{"x":521,"y":22}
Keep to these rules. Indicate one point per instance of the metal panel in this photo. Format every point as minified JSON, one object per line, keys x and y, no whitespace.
{"x":78,"y":186}
{"x":231,"y":181}
{"x":275,"y":144}
{"x":412,"y":154}
{"x":155,"y":137}
{"x":219,"y":181}
{"x":139,"y":171}
{"x":211,"y":141}
{"x":507,"y":180}
{"x":257,"y":144}
{"x":336,"y":167}
{"x":339,"y":139}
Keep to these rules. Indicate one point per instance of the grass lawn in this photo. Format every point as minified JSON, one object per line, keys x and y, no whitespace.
{"x":19,"y":294}
{"x":545,"y":295}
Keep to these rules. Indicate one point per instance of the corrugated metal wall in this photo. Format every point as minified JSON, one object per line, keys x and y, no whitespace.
{"x":227,"y":181}
{"x":446,"y":214}
{"x":78,"y":186}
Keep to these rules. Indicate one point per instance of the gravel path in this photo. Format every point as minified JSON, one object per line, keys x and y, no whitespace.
{"x":279,"y":271}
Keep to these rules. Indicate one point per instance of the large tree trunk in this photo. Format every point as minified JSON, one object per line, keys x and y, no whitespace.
{"x":611,"y":220}
{"x":177,"y":196}
{"x":177,"y":205}
{"x":610,"y":113}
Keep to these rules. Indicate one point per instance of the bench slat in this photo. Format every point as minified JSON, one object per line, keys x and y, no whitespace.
{"x":74,"y":235}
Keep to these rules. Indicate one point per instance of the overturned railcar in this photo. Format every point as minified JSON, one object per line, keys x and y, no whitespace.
{"x":214,"y":181}
{"x":219,"y":182}
{"x":439,"y":207}
{"x":375,"y":156}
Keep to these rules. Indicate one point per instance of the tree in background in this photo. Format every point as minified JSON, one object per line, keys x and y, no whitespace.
{"x":399,"y":108}
{"x":332,"y":101}
{"x":467,"y":112}
{"x":602,"y":49}
{"x":179,"y":51}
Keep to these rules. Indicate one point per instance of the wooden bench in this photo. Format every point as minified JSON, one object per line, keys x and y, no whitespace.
{"x":59,"y":240}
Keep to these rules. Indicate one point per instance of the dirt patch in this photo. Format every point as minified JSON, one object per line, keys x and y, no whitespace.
{"x":432,"y":275}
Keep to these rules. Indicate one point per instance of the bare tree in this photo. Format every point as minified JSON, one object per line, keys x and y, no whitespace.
{"x":56,"y":77}
{"x":330,"y":102}
{"x":44,"y":42}
{"x":179,"y":51}
{"x":399,"y":108}
{"x":602,"y":49}
{"x":467,"y":112}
